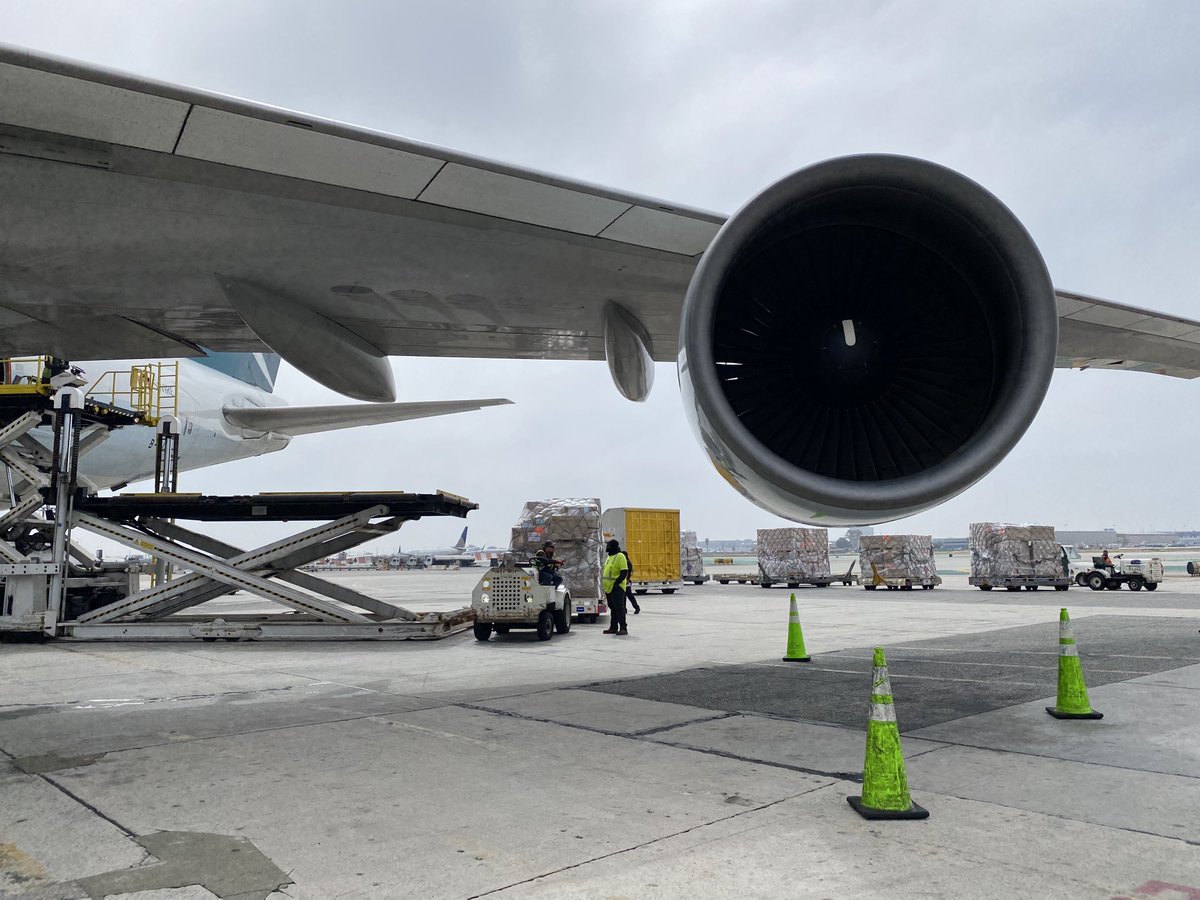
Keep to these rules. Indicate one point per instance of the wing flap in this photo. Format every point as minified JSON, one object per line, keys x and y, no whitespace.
{"x":1100,"y":334}
{"x":297,"y":420}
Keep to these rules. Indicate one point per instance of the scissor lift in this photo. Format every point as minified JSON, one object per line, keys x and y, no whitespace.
{"x":52,"y":587}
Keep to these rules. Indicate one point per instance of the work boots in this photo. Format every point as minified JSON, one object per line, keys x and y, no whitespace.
{"x":609,"y":630}
{"x":622,"y":632}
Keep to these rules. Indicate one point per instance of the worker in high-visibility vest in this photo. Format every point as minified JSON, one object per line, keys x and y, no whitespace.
{"x":614,"y":579}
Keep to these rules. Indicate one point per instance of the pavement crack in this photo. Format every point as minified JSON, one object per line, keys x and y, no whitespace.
{"x":649,"y":843}
{"x":128,"y":832}
{"x":659,"y":729}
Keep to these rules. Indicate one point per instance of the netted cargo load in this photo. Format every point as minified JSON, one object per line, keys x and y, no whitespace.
{"x":793,"y":554}
{"x":574,"y":526}
{"x":691,"y":563}
{"x":897,"y":556}
{"x":999,"y":550}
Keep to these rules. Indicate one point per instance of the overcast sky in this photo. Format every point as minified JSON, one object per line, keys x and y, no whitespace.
{"x":1083,"y":117}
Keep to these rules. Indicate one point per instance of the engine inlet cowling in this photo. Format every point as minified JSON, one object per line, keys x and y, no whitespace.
{"x":865,"y":339}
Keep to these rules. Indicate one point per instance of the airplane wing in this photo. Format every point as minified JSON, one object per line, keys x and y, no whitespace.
{"x":296,"y":420}
{"x":166,"y":218}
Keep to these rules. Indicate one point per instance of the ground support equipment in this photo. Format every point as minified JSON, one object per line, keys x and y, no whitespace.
{"x":54,"y":588}
{"x":697,"y":579}
{"x":667,"y":587}
{"x":1020,"y":582}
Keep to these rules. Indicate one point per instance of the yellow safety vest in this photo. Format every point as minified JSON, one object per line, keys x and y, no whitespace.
{"x":612,"y":570}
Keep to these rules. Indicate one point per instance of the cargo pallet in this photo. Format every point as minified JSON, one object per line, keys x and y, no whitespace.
{"x":901,"y":583}
{"x":697,"y":579}
{"x":1020,"y":582}
{"x":742,"y":578}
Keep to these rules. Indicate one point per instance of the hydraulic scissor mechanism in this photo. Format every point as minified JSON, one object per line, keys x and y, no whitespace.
{"x":53,"y":587}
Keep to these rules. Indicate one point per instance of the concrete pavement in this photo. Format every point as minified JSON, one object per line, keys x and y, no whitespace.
{"x":684,"y":760}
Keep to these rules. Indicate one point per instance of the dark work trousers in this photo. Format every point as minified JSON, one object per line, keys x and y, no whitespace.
{"x":632,"y":600}
{"x":616,"y":607}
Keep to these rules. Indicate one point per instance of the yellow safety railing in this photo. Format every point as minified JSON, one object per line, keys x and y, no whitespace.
{"x":23,"y":375}
{"x":152,"y":389}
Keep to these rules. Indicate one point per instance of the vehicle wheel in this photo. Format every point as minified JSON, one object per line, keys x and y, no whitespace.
{"x":1081,"y":579}
{"x":1031,"y":587}
{"x":724,"y":581}
{"x":1012,"y":587}
{"x":1061,"y":587}
{"x":868,"y":587}
{"x":793,"y":584}
{"x":483,"y":631}
{"x":562,"y":620}
{"x":927,"y":587}
{"x":985,"y":587}
{"x":1135,"y":582}
{"x":545,"y":625}
{"x":668,"y":590}
{"x":1152,"y":585}
{"x":1095,"y":581}
{"x":906,"y":587}
{"x":765,"y":584}
{"x":1112,"y":584}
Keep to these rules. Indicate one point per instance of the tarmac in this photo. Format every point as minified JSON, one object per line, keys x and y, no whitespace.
{"x":685,"y":760}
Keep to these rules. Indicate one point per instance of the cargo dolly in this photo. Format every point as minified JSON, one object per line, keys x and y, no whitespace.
{"x":1020,"y":582}
{"x":54,"y":588}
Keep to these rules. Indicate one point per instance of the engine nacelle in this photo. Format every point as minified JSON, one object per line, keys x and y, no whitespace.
{"x":866,"y":338}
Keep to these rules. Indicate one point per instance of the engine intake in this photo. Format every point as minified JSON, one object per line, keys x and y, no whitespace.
{"x":866,"y":338}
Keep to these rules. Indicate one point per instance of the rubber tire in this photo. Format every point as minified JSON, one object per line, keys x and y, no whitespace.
{"x":545,"y":625}
{"x":765,"y":584}
{"x":793,"y":584}
{"x":1095,"y":581}
{"x":562,"y":620}
{"x":724,"y":581}
{"x":483,"y":631}
{"x":668,"y":590}
{"x":869,"y":587}
{"x":1081,"y":579}
{"x":985,"y":587}
{"x":1152,"y":585}
{"x":927,"y":587}
{"x":1012,"y":587}
{"x":1061,"y":587}
{"x":1031,"y":587}
{"x":1135,"y":582}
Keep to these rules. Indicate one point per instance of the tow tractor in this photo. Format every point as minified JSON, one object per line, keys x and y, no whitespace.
{"x":509,"y":596}
{"x":1136,"y":573}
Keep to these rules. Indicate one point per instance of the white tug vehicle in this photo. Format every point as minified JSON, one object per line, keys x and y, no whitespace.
{"x":509,"y":596}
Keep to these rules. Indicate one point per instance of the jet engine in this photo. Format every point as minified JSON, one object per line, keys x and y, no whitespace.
{"x":866,"y":338}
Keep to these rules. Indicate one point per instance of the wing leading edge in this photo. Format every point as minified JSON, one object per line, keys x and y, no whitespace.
{"x":132,"y":205}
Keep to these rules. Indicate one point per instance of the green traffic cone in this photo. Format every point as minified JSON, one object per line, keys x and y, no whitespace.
{"x":795,"y":645}
{"x":1072,"y":701}
{"x":885,"y":783}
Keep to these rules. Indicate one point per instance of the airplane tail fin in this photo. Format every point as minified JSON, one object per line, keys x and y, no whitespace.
{"x":295,"y":420}
{"x":462,"y":541}
{"x":258,"y":369}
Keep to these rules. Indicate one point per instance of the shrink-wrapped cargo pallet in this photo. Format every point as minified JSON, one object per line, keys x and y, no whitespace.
{"x":793,"y":554}
{"x":574,"y":526}
{"x":897,"y":557}
{"x":999,"y":551}
{"x":691,"y":563}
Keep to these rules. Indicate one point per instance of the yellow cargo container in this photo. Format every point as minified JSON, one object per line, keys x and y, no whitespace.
{"x":652,"y":538}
